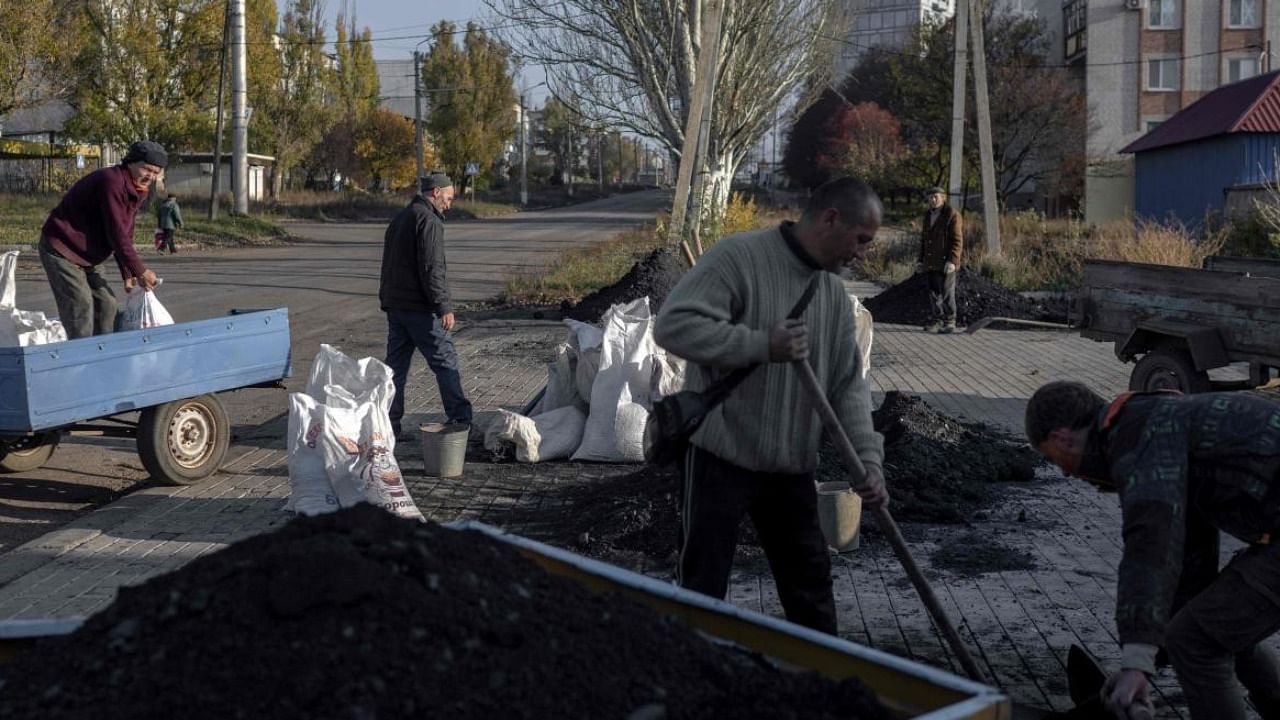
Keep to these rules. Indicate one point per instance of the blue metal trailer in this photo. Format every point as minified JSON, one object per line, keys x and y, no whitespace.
{"x":168,"y":374}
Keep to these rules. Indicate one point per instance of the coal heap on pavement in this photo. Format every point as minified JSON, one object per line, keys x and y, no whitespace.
{"x":938,"y":469}
{"x":360,"y":614}
{"x":977,"y":297}
{"x":654,"y":276}
{"x":622,"y":519}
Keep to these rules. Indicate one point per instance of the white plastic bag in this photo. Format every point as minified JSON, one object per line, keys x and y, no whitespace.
{"x":549,"y":436}
{"x":20,"y":328}
{"x":622,"y":387}
{"x":366,"y":380}
{"x":359,"y":457}
{"x":8,"y":287}
{"x":142,"y":309}
{"x":310,"y":491}
{"x":354,"y":442}
{"x":862,"y":331}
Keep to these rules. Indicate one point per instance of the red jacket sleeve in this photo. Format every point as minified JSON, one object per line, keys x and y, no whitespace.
{"x":119,"y":211}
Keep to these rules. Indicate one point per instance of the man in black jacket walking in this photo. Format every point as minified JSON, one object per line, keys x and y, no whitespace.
{"x":415,"y":296}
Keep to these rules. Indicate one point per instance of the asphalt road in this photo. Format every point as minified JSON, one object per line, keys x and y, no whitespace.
{"x":327,"y":277}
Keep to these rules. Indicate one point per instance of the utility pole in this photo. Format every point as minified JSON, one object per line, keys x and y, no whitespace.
{"x":600,"y":161}
{"x":619,"y":158}
{"x":239,"y":118}
{"x":570,"y":162}
{"x":217,"y":133}
{"x":709,"y":32}
{"x":958,"y":90}
{"x":524,"y":157}
{"x":417,"y":114}
{"x":990,"y":203}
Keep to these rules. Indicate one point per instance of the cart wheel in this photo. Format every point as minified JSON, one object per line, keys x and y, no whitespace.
{"x":184,"y":441}
{"x":29,"y":452}
{"x":1168,"y":370}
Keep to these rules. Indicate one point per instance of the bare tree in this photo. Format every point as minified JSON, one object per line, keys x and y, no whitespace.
{"x":630,"y":64}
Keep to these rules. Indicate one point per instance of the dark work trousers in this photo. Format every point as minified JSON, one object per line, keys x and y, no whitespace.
{"x":408,"y":330}
{"x":715,"y":496}
{"x":1217,"y":637}
{"x":168,"y":240}
{"x":942,"y":296}
{"x":86,"y":304}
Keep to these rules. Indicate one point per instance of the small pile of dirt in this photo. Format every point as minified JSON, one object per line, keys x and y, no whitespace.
{"x":360,"y":615}
{"x":975,"y":554}
{"x":938,"y":469}
{"x":977,"y":297}
{"x":620,"y":519}
{"x":653,"y":276}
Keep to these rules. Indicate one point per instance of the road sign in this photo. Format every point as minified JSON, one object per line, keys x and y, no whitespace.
{"x":473,"y":168}
{"x":80,"y":161}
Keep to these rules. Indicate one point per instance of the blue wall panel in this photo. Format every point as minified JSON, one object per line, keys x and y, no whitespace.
{"x":1185,"y":182}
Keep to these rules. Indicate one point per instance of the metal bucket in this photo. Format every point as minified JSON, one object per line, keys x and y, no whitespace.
{"x":444,"y":449}
{"x":839,"y":515}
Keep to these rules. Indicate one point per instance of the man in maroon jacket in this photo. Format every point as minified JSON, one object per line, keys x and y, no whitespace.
{"x":94,"y":221}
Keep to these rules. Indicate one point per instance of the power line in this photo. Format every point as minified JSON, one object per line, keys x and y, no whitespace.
{"x":1048,"y":66}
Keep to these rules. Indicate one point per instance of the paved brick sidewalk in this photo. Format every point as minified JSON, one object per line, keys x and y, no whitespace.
{"x":1020,"y":623}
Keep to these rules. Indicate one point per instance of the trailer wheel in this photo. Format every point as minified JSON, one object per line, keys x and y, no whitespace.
{"x":1168,"y":369}
{"x":29,"y":452}
{"x":184,"y":441}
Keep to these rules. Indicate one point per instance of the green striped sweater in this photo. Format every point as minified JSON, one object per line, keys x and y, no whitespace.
{"x":718,"y":318}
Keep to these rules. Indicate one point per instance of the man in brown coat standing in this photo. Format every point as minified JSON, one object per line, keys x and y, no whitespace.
{"x":941,"y":245}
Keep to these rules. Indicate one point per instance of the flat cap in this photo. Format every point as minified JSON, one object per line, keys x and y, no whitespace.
{"x":435,"y":179}
{"x":149,"y":152}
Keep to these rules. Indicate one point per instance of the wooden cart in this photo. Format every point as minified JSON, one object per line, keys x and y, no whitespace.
{"x":1179,"y":323}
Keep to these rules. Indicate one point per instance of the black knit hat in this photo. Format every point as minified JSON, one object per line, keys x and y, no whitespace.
{"x":435,"y":179}
{"x":148,"y":152}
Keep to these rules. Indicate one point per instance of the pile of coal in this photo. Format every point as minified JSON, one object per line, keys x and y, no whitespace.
{"x":938,"y":469}
{"x":360,"y":614}
{"x":977,"y":297}
{"x":653,"y":276}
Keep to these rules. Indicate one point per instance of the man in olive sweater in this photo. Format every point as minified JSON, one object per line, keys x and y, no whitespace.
{"x":756,"y":453}
{"x":415,"y":296}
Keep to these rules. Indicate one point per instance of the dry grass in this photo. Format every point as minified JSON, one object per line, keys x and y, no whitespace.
{"x":581,"y":271}
{"x":24,"y":215}
{"x":1042,"y":254}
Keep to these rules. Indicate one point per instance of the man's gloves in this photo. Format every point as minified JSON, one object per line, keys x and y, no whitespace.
{"x":1126,"y":695}
{"x":873,"y":493}
{"x":949,"y":268}
{"x":789,"y":341}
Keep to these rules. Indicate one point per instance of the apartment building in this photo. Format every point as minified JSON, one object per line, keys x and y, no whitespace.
{"x":872,"y":23}
{"x":1145,"y":60}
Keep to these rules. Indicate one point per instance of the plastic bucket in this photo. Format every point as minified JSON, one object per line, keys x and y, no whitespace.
{"x":839,"y":515}
{"x":444,"y":449}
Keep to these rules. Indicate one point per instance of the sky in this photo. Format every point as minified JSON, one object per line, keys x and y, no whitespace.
{"x":398,"y":26}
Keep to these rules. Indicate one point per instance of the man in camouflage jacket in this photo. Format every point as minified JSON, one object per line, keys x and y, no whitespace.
{"x":1182,"y":463}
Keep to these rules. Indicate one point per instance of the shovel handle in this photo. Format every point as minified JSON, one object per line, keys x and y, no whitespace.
{"x":858,"y":478}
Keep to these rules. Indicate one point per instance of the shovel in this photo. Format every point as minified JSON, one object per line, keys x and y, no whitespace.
{"x":980,"y":323}
{"x":858,"y":478}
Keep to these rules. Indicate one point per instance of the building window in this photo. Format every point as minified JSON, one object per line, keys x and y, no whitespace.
{"x":1076,"y":23}
{"x":1162,"y":14}
{"x":1241,"y":68}
{"x":1243,"y":14}
{"x":1153,"y":124}
{"x":1162,"y":74}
